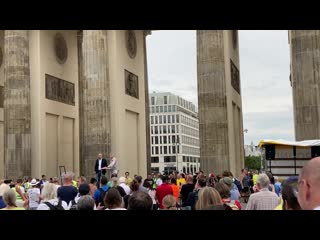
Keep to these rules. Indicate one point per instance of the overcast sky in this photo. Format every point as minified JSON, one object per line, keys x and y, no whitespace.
{"x":264,"y":69}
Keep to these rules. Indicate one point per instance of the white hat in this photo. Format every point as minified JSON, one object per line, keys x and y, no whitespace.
{"x":33,"y":182}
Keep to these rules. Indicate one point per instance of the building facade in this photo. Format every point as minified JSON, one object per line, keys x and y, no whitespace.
{"x":174,"y":138}
{"x":252,"y":150}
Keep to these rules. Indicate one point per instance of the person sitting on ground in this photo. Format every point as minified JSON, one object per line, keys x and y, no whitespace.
{"x":140,"y":201}
{"x":50,"y":200}
{"x":86,"y":202}
{"x":113,"y":200}
{"x":169,"y":202}
{"x":207,"y":197}
{"x":9,"y":197}
{"x":309,"y":185}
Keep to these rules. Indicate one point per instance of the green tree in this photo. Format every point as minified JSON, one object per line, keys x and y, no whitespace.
{"x":252,"y":162}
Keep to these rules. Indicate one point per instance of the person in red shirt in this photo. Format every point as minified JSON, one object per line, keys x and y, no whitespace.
{"x":163,"y":190}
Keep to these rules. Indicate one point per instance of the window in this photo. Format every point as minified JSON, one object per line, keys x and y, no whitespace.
{"x":165,"y":109}
{"x":152,"y":152}
{"x":169,"y":108}
{"x":177,"y":148}
{"x":184,"y":169}
{"x":173,"y":148}
{"x":160,"y":139}
{"x":164,"y":139}
{"x":161,"y":109}
{"x":170,"y":159}
{"x":169,"y":118}
{"x":169,"y":139}
{"x":165,"y":98}
{"x":173,"y":108}
{"x":152,"y":101}
{"x":156,"y":119}
{"x":152,"y":110}
{"x":160,"y":129}
{"x":160,"y":119}
{"x":173,"y":139}
{"x":173,"y":129}
{"x":164,"y":129}
{"x":178,"y":139}
{"x":164,"y":119}
{"x":156,"y":129}
{"x":156,"y":140}
{"x":173,"y":119}
{"x":157,"y":109}
{"x":177,"y":118}
{"x":177,"y":128}
{"x":151,"y":130}
{"x":155,"y":169}
{"x":165,"y":149}
{"x":154,"y":159}
{"x":152,"y":119}
{"x":152,"y":140}
{"x":160,"y":150}
{"x":157,"y":150}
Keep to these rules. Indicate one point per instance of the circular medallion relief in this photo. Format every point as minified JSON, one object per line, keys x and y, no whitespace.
{"x":1,"y":55}
{"x":131,"y":43}
{"x":60,"y":48}
{"x":235,"y":38}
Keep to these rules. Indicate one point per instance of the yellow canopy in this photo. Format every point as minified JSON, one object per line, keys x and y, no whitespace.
{"x":306,"y":143}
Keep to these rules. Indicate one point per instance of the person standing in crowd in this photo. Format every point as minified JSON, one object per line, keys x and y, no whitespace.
{"x":152,"y":194}
{"x":186,"y":189}
{"x":159,"y":180}
{"x":3,"y":188}
{"x":163,"y":190}
{"x":169,"y":202}
{"x":99,"y":168}
{"x":34,"y":195}
{"x":43,"y":181}
{"x":100,"y":192}
{"x":122,"y":183}
{"x":309,"y":185}
{"x":140,"y":201}
{"x":277,"y":186}
{"x":85,"y":202}
{"x":50,"y":199}
{"x":113,"y":200}
{"x":9,"y":197}
{"x":234,"y":193}
{"x":224,"y":191}
{"x":141,"y":187}
{"x":67,"y":192}
{"x":128,"y":178}
{"x":193,"y":196}
{"x":55,"y":181}
{"x":93,"y":186}
{"x":21,"y":198}
{"x":207,"y":197}
{"x":264,"y":199}
{"x":175,"y":188}
{"x":81,"y":180}
{"x":113,"y":166}
{"x":290,"y":194}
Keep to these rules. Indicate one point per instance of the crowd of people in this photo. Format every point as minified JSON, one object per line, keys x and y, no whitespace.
{"x":175,"y":191}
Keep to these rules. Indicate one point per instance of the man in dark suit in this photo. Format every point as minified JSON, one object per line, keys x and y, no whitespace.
{"x":100,"y":163}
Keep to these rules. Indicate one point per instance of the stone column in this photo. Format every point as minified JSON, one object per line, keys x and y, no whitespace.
{"x":212,"y":100}
{"x":305,"y":79}
{"x":95,"y":102}
{"x":146,"y":87}
{"x":17,"y":109}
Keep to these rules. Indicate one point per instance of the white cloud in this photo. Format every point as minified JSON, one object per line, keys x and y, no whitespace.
{"x":264,"y":69}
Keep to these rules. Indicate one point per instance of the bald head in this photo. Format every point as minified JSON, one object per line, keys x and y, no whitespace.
{"x":311,"y":171}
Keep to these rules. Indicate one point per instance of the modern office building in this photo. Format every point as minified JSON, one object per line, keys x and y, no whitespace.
{"x":174,"y":134}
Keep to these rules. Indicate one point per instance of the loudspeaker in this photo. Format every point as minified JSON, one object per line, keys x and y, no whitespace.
{"x":315,"y":151}
{"x":270,"y":152}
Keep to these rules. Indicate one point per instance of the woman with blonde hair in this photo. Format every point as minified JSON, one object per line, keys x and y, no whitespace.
{"x":169,"y":202}
{"x":207,"y":197}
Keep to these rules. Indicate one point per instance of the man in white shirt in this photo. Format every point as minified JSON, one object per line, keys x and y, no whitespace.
{"x":309,"y":185}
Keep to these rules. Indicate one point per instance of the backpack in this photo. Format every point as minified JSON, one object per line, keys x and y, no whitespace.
{"x":238,"y":184}
{"x":102,"y":194}
{"x":55,"y":207}
{"x":73,"y":205}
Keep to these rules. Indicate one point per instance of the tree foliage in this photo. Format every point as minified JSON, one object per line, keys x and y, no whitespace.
{"x":252,"y":162}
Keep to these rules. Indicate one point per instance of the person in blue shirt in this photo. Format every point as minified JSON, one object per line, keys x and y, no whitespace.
{"x":101,"y":192}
